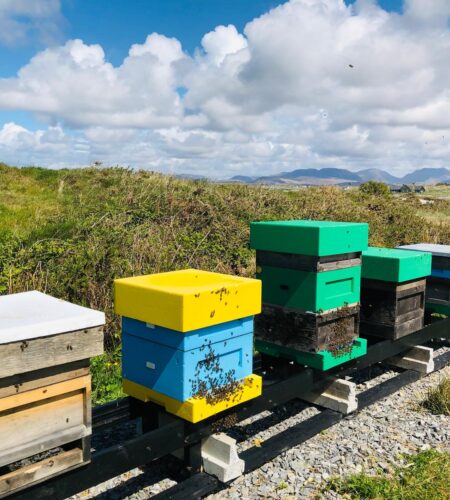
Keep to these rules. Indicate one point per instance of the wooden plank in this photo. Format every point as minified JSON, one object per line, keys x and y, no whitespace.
{"x":45,"y":418}
{"x":39,"y":471}
{"x":307,"y":262}
{"x":35,"y":354}
{"x":50,"y":391}
{"x":23,"y":382}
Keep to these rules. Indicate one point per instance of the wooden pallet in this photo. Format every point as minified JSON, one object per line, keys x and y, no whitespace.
{"x":307,"y":331}
{"x":392,"y":310}
{"x":42,"y":416}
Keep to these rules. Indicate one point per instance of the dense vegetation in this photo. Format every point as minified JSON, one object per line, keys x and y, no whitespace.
{"x":69,"y":233}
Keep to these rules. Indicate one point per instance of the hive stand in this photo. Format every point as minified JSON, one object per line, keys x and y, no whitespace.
{"x":419,"y":359}
{"x":338,"y":395}
{"x":220,"y":457}
{"x":45,"y":386}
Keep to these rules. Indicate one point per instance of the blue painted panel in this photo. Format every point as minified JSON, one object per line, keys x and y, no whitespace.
{"x":441,"y":273}
{"x":188,"y":340}
{"x":176,"y":373}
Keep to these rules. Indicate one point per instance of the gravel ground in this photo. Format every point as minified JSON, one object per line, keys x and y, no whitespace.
{"x":374,"y":439}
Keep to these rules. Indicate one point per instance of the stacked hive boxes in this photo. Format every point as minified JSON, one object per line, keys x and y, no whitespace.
{"x":438,"y":284}
{"x":393,"y":291}
{"x":45,"y":387}
{"x":311,"y":273}
{"x":187,"y":340}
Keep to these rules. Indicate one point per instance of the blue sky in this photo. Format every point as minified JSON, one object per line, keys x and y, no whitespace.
{"x":117,"y":24}
{"x":309,"y":84}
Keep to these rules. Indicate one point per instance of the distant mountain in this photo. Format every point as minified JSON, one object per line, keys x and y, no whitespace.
{"x":341,"y":176}
{"x":427,"y":176}
{"x":243,"y":178}
{"x":375,"y":174}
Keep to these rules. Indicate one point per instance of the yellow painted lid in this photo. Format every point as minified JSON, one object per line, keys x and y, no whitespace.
{"x":187,"y":300}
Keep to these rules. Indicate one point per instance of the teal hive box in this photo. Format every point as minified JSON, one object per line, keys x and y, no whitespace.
{"x":174,"y":363}
{"x":390,"y":264}
{"x":310,"y":291}
{"x":307,"y":237}
{"x":322,"y":360}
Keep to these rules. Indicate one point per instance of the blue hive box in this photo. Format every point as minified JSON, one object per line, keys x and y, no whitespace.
{"x":441,"y":257}
{"x":180,"y":364}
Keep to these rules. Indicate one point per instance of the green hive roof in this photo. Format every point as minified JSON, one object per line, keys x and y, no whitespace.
{"x":308,"y":237}
{"x":390,"y":264}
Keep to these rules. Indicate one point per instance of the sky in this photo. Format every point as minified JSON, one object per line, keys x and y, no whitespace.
{"x":223,"y":88}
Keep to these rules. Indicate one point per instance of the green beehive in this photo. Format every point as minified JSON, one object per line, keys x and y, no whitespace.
{"x":393,"y":291}
{"x":310,"y":291}
{"x":307,"y":237}
{"x":390,"y":264}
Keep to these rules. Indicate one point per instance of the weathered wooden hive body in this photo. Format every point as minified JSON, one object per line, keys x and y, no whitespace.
{"x":45,"y":386}
{"x":311,"y":274}
{"x":438,"y":284}
{"x":187,"y":340}
{"x":393,"y":291}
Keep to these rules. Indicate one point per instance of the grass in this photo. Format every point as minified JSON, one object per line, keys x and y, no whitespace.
{"x":438,"y":399}
{"x":426,"y":476}
{"x":70,"y":233}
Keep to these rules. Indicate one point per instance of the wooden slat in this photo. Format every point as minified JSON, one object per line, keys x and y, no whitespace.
{"x":47,"y":392}
{"x":44,"y":418}
{"x":39,"y":378}
{"x":27,"y":356}
{"x":40,"y":471}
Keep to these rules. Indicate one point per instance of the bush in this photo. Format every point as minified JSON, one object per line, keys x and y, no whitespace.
{"x":438,"y":399}
{"x":375,"y":188}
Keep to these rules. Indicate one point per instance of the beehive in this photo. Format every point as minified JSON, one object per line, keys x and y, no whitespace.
{"x":393,"y":291}
{"x":438,"y":284}
{"x":179,"y":364}
{"x":311,"y":274}
{"x":187,"y":340}
{"x":45,"y":386}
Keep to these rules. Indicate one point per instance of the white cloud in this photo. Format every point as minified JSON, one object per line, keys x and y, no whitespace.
{"x":310,"y":83}
{"x":20,"y":19}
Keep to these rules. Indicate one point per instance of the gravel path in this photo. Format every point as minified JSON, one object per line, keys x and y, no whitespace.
{"x":376,"y":438}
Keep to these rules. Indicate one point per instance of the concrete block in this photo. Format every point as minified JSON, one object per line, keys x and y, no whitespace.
{"x":339,"y":395}
{"x":418,"y":358}
{"x":220,"y":457}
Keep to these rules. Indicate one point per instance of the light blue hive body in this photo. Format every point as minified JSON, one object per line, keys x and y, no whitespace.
{"x":173,"y":363}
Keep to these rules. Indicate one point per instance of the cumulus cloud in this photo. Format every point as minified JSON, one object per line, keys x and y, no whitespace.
{"x":309,"y":83}
{"x":20,"y":19}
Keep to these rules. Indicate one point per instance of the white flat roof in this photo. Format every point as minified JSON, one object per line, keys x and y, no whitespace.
{"x":29,"y":315}
{"x":438,"y":250}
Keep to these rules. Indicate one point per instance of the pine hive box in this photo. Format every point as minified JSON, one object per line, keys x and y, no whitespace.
{"x":393,"y":291}
{"x":45,"y":386}
{"x":437,"y":295}
{"x":187,"y":340}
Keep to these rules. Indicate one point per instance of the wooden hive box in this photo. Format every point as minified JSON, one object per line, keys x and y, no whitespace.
{"x":393,"y":291}
{"x":45,"y":387}
{"x":307,"y":331}
{"x":438,"y":284}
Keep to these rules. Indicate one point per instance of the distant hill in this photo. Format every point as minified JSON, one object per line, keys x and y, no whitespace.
{"x":341,"y":176}
{"x":375,"y":174}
